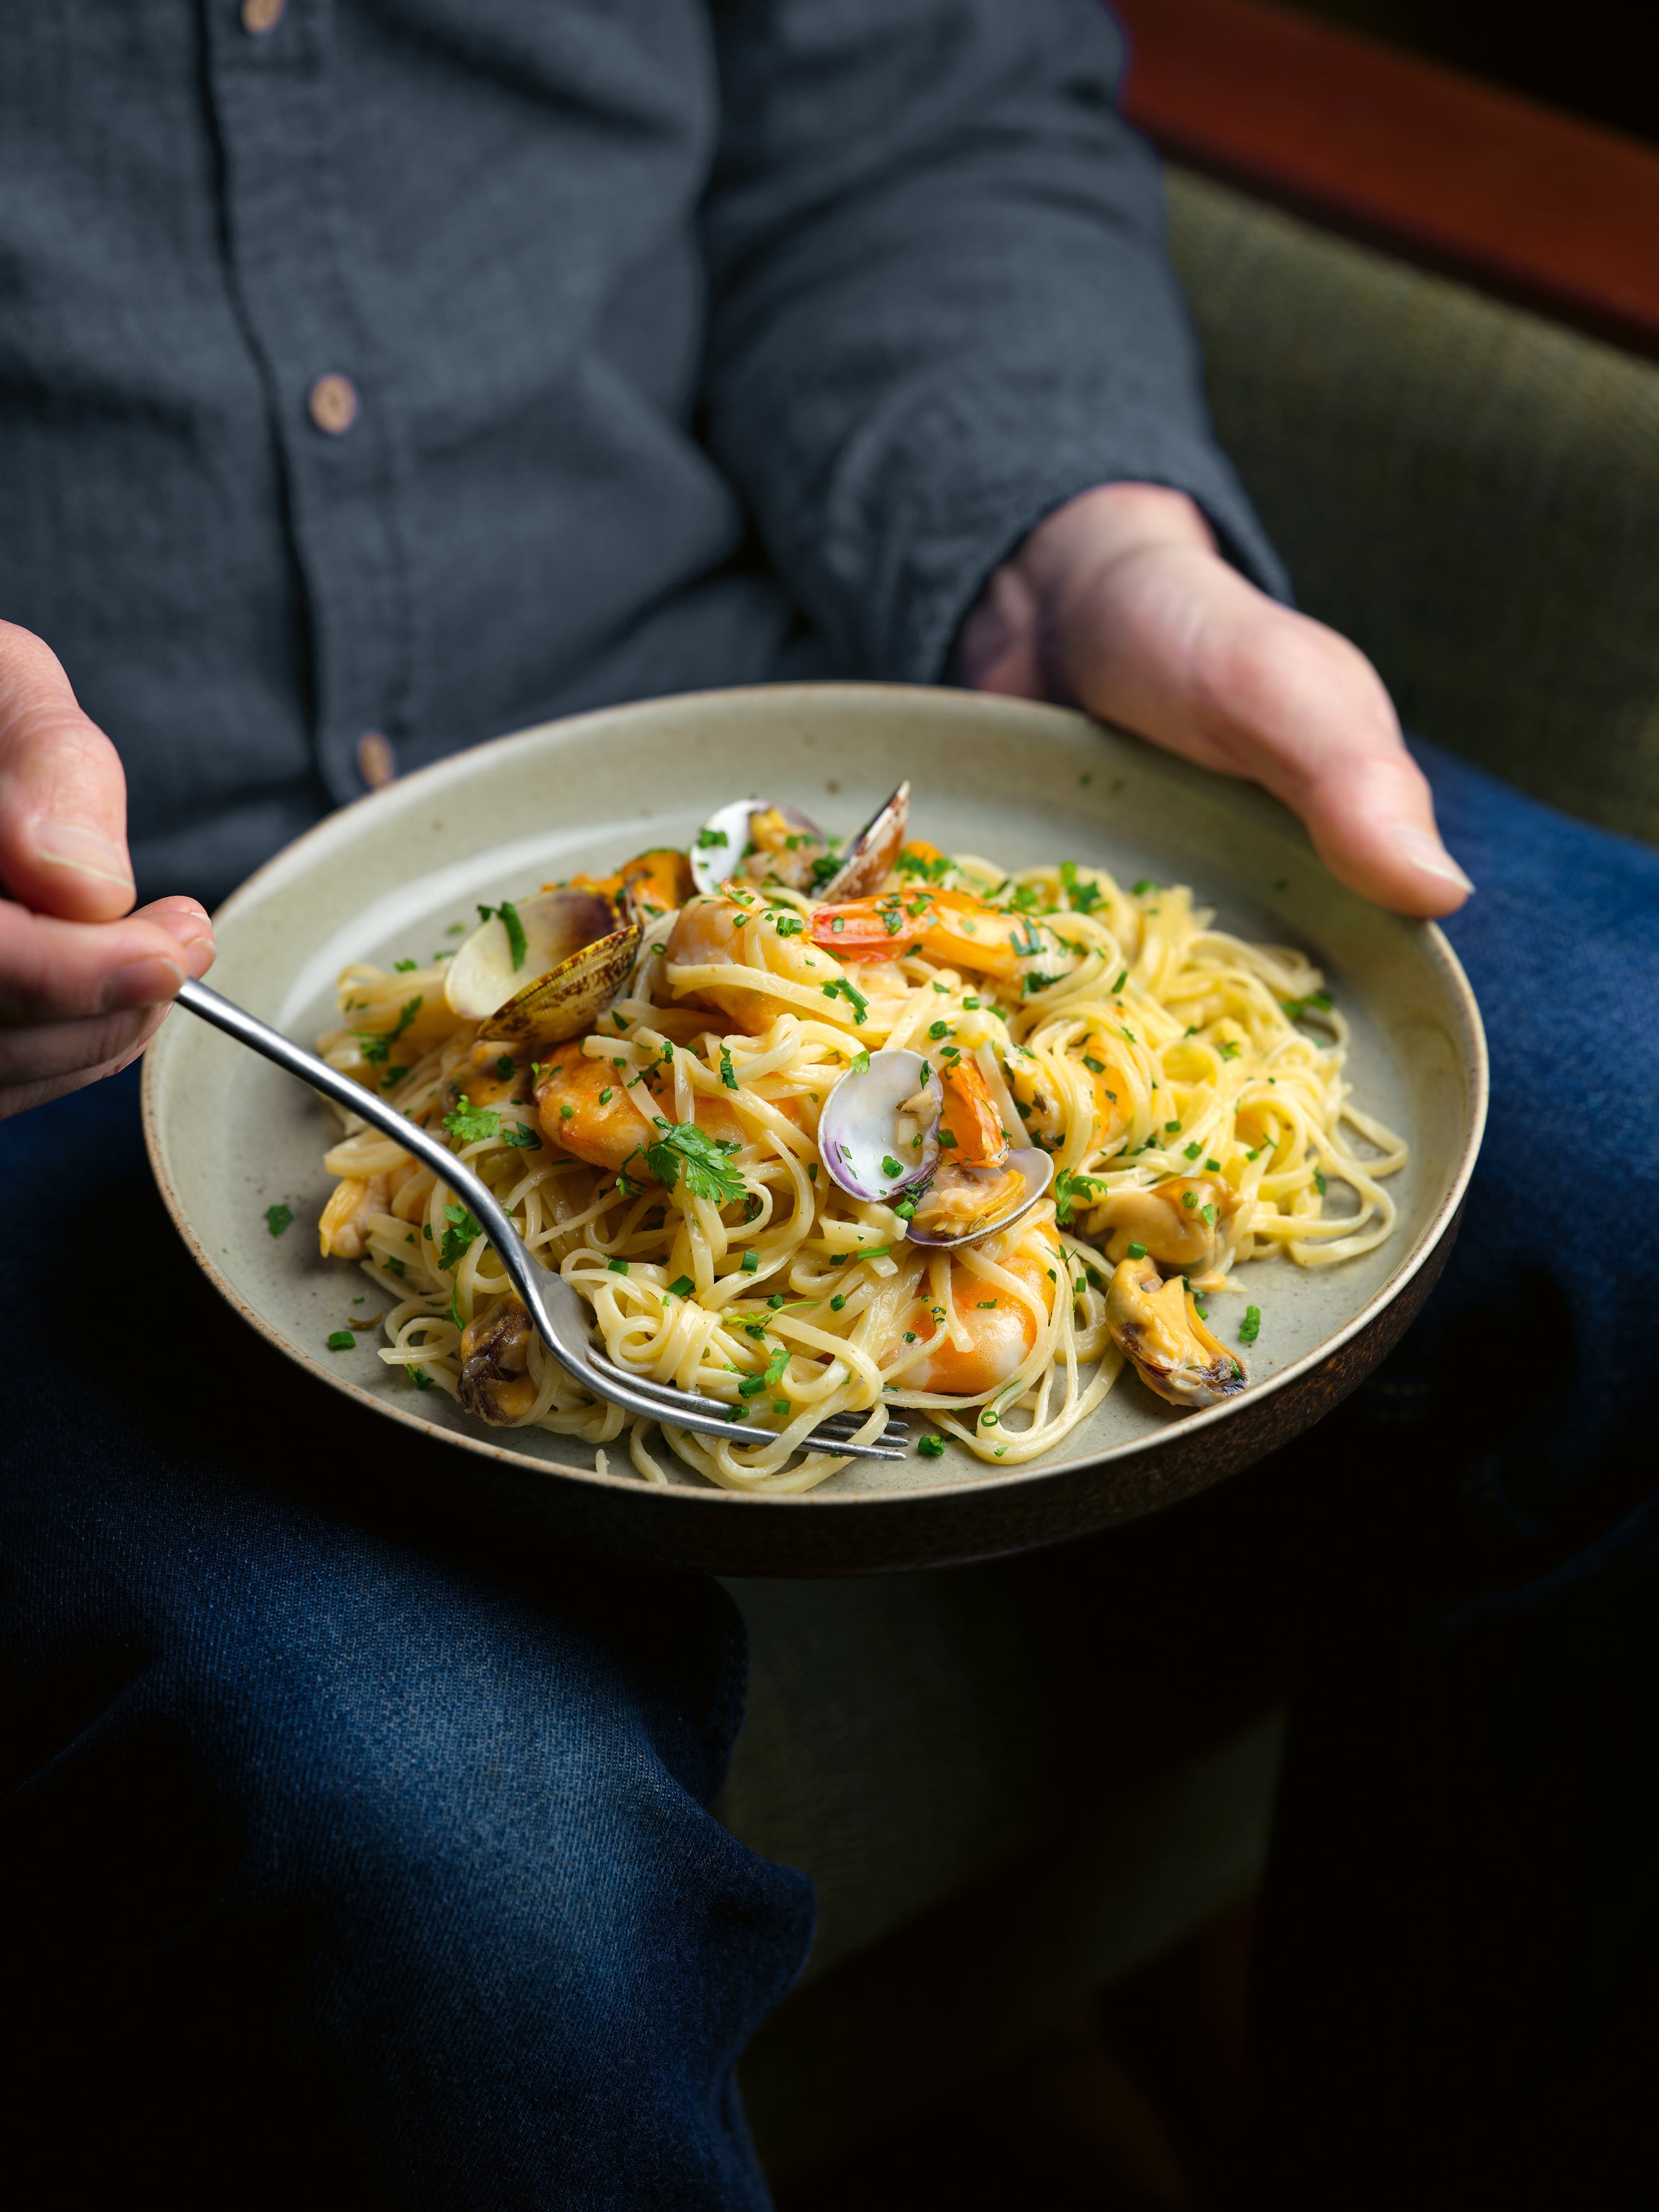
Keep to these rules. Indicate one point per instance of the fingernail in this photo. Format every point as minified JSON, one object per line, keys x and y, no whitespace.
{"x":1425,"y":852}
{"x":67,"y":845}
{"x":147,"y":982}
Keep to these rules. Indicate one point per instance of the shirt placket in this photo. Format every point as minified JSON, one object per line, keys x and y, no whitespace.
{"x":276,"y":96}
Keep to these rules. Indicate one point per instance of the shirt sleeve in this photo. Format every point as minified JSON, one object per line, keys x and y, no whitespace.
{"x":939,"y":305}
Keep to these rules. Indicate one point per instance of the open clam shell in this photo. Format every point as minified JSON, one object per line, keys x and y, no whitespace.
{"x":553,"y":925}
{"x":725,"y":839}
{"x":571,"y":997}
{"x":859,"y":1135}
{"x":1035,"y":1171}
{"x":869,"y":859}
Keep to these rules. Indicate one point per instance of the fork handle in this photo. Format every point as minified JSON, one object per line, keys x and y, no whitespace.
{"x":528,"y":1277}
{"x":548,"y":1297}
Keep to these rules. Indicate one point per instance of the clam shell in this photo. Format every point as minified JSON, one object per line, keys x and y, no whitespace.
{"x":1037,"y":1171}
{"x":856,"y":1130}
{"x":726,"y":836}
{"x":870,"y":858}
{"x":555,"y":924}
{"x":570,"y":998}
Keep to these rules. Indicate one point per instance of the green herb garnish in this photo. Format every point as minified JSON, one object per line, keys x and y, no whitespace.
{"x":462,"y":1233}
{"x":473,"y":1125}
{"x":684,"y":1150}
{"x":278,"y":1218}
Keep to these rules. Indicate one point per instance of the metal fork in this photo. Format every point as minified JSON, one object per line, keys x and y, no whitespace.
{"x":556,"y":1308}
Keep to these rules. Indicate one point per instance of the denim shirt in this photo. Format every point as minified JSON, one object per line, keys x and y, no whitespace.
{"x":428,"y":367}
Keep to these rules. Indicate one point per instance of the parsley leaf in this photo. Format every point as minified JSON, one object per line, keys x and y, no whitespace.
{"x":1071,"y":1190}
{"x":377,"y":1048}
{"x":471,"y":1125}
{"x":521,"y":1137}
{"x":462,"y":1234}
{"x":683,"y":1149}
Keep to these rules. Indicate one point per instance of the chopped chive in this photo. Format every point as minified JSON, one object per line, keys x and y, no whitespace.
{"x":618,"y":1267}
{"x":931,"y":1447}
{"x":278,"y":1218}
{"x":972,"y":1006}
{"x":838,"y":1302}
{"x":750,"y":1262}
{"x":1250,"y":1328}
{"x":681,"y":1287}
{"x":1137,"y":1251}
{"x":342,"y":1340}
{"x":1192,"y":1152}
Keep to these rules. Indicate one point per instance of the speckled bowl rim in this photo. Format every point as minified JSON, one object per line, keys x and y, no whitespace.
{"x":454,"y":767}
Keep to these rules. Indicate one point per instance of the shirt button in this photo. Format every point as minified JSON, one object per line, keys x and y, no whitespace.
{"x":332,"y":403}
{"x":259,"y":17}
{"x":377,"y":765}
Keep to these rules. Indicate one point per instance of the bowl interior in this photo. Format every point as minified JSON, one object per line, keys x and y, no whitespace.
{"x":231,"y":1136}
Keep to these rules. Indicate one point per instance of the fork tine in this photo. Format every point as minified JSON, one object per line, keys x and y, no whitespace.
{"x":897,"y":1432}
{"x":554,"y":1306}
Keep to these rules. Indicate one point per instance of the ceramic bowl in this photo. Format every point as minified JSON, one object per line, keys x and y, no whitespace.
{"x":230,"y":1136}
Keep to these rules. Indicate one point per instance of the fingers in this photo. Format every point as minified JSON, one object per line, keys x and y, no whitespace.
{"x":1168,"y":640}
{"x":1291,"y":704}
{"x":38,"y":1064}
{"x":54,"y":971}
{"x":62,"y":793}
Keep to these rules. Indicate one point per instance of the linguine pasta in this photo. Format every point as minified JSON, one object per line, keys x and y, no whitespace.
{"x":1188,"y":1087}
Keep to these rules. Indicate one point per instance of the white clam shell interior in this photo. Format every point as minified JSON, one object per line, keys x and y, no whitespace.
{"x":858,"y":1133}
{"x":481,"y":976}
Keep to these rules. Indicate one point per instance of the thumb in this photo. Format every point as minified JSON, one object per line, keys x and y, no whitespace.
{"x":63,"y":793}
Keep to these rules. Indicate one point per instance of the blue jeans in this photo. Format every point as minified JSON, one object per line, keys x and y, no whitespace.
{"x":358,"y":1844}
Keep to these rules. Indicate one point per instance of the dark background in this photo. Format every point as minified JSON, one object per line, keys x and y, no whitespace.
{"x":1594,"y":58}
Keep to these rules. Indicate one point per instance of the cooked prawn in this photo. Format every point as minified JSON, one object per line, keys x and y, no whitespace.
{"x":991,"y":1334}
{"x":953,"y":927}
{"x":607,"y":1116}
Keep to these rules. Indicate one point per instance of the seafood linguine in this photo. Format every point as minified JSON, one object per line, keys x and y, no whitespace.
{"x":843,"y":1131}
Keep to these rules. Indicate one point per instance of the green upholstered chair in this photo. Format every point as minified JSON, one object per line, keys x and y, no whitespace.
{"x":1473,"y":494}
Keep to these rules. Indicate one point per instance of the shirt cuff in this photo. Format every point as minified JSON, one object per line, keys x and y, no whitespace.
{"x":961,"y":486}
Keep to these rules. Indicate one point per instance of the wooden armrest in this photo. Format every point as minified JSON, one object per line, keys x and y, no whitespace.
{"x":1559,"y":214}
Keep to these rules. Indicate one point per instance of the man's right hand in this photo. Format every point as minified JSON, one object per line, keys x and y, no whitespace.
{"x":84,"y":981}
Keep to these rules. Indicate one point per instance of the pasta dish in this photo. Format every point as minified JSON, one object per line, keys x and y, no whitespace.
{"x":815,"y":1129}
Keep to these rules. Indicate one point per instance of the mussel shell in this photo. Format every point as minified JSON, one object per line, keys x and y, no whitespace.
{"x":570,"y":999}
{"x":712,"y":863}
{"x":870,"y":858}
{"x":1036,"y":1170}
{"x":556,"y":924}
{"x":856,"y":1127}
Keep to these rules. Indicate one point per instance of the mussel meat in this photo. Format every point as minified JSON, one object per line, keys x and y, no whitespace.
{"x":1156,"y":1326}
{"x":1189,"y":1223}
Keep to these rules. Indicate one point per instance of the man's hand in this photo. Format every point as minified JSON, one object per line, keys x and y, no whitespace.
{"x":81,"y":990}
{"x":1119,"y":602}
